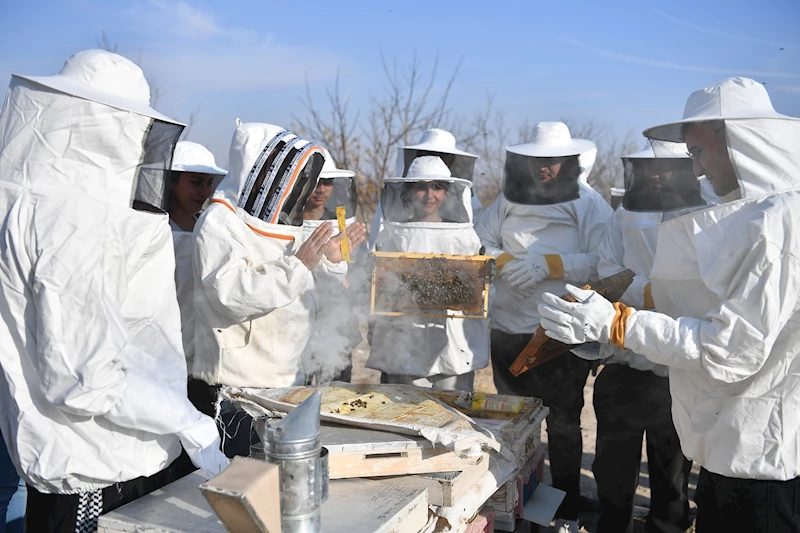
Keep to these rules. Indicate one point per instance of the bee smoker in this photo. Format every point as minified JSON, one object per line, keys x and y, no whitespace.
{"x":294,"y":444}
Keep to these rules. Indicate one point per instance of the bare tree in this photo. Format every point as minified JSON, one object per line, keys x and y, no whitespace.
{"x":408,"y":105}
{"x":190,"y":122}
{"x":485,"y":135}
{"x":104,"y":44}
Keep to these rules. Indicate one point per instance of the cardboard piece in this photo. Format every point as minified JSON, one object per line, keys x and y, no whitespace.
{"x":543,"y":505}
{"x":246,"y":496}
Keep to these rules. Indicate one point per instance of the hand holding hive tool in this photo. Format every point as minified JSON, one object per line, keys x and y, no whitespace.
{"x":542,"y":348}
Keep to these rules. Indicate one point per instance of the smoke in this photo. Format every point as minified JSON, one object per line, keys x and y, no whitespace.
{"x":335,"y":332}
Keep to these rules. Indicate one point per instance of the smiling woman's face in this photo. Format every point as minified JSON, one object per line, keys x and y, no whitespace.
{"x":191,"y":191}
{"x":427,"y":197}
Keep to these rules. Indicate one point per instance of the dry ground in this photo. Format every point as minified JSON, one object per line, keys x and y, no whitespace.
{"x":484,"y":382}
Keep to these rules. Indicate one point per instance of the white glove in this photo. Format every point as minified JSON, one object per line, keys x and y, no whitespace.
{"x":202,"y":444}
{"x":525,"y":273}
{"x":575,"y":323}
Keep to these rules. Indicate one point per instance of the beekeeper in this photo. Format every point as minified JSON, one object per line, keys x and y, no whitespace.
{"x":90,"y":342}
{"x":254,"y":288}
{"x":440,"y":143}
{"x":336,"y":332}
{"x":551,"y":223}
{"x":194,"y":177}
{"x":726,"y":284}
{"x":428,"y":211}
{"x":631,"y":394}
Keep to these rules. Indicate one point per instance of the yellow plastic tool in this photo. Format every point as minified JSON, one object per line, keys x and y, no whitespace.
{"x":340,"y":220}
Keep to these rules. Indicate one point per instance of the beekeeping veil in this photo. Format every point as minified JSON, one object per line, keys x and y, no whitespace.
{"x":552,"y":143}
{"x":272,"y":174}
{"x":97,"y":134}
{"x":660,"y":178}
{"x":427,"y":173}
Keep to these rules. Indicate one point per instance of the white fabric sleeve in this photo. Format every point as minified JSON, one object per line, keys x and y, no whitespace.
{"x":80,"y":333}
{"x":611,"y":253}
{"x":732,"y":342}
{"x":330,"y":273}
{"x":239,"y":286}
{"x":582,"y":267}
{"x":82,"y":339}
{"x":488,"y":228}
{"x":138,"y":408}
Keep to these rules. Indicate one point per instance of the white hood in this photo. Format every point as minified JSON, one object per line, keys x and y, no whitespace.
{"x":761,"y":142}
{"x":253,"y":148}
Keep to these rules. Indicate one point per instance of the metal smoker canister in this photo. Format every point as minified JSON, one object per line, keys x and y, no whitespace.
{"x":294,"y":445}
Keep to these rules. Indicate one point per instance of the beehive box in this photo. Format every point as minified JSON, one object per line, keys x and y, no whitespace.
{"x":431,"y":285}
{"x":520,"y":432}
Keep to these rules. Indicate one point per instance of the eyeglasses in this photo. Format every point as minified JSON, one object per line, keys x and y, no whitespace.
{"x":695,"y":155}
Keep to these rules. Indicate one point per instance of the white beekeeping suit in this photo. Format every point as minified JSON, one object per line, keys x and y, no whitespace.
{"x":197,"y":159}
{"x":631,"y":236}
{"x":631,"y":394}
{"x":732,"y":359}
{"x":336,"y":330}
{"x":430,"y":348}
{"x":549,"y":222}
{"x":536,"y":232}
{"x":254,"y":300}
{"x":436,"y":142}
{"x":90,"y":342}
{"x":726,"y":285}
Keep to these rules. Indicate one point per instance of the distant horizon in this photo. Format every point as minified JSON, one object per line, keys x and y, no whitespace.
{"x":625,"y":66}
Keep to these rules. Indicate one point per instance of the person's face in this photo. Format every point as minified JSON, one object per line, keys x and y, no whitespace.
{"x":546,"y":172}
{"x":427,"y":197}
{"x":659,"y":175}
{"x":192,"y":191}
{"x":705,"y":142}
{"x":321,"y":194}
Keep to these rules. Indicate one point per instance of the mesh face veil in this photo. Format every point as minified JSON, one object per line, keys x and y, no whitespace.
{"x":151,"y":182}
{"x":541,"y":180}
{"x":281,"y":180}
{"x":411,"y":200}
{"x":660,"y":178}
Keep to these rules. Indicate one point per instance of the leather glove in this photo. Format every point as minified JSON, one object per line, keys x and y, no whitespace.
{"x":525,"y":273}
{"x":202,"y":444}
{"x":590,"y":319}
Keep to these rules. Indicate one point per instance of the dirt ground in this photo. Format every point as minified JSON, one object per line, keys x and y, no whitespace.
{"x":484,"y":382}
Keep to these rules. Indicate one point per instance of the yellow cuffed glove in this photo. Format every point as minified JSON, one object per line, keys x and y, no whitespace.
{"x":591,"y":319}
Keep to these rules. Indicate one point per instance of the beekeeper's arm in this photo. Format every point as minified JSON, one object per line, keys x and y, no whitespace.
{"x":592,"y":215}
{"x":730,"y":344}
{"x":592,"y":220}
{"x":489,"y":225}
{"x":238,"y":284}
{"x":611,"y":253}
{"x":82,"y":342}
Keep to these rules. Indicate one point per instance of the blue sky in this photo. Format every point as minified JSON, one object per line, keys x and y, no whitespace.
{"x":627,"y":64}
